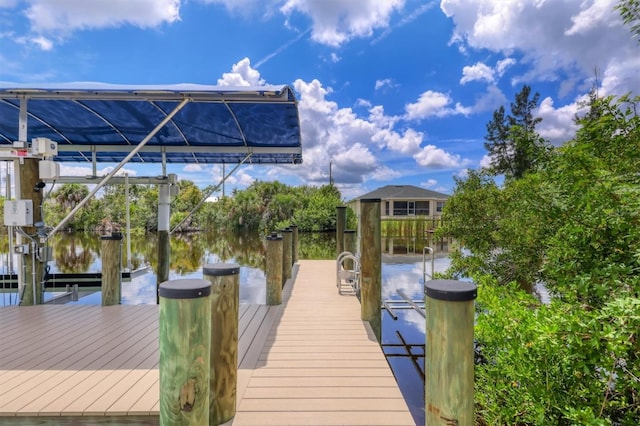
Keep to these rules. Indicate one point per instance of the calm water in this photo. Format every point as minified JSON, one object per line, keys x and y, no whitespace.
{"x":80,"y":253}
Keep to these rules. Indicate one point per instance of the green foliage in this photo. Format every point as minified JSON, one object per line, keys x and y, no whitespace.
{"x":573,"y":225}
{"x":512,"y":141}
{"x":630,"y":12}
{"x":319,"y":211}
{"x":555,"y":364}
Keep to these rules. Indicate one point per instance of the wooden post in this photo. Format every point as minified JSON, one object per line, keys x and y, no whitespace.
{"x":286,"y":254}
{"x":185,"y":342}
{"x":294,"y":244}
{"x":274,"y":269}
{"x":350,"y":246}
{"x":33,"y":271}
{"x":449,"y":352}
{"x":225,"y":299}
{"x":371,"y":265}
{"x":111,"y":275}
{"x":341,"y":219}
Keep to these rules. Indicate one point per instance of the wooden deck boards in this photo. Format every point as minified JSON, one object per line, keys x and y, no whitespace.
{"x":320,"y":364}
{"x":309,"y":361}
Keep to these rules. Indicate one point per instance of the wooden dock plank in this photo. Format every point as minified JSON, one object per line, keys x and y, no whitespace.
{"x":320,"y":363}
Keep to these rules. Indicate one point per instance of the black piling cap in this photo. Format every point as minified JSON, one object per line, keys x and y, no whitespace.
{"x":451,"y":290}
{"x":274,"y":237}
{"x":220,"y":269}
{"x":192,"y":288}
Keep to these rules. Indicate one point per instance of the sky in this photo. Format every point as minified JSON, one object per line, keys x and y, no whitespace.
{"x":390,"y":92}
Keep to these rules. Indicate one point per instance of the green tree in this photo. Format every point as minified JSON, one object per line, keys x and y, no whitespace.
{"x":573,"y":225}
{"x":630,"y":12}
{"x":512,"y":141}
{"x":66,"y":198}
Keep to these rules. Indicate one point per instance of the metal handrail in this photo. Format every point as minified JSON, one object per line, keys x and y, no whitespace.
{"x":353,"y":274}
{"x":424,"y":263}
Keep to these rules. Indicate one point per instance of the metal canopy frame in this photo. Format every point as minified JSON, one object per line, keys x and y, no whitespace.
{"x":105,"y":123}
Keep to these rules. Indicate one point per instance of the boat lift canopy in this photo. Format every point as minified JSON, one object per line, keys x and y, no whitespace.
{"x":96,"y":122}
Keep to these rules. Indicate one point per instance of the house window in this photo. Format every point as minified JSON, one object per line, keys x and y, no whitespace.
{"x":400,"y":208}
{"x":386,"y":208}
{"x":422,"y":208}
{"x":439,"y":206}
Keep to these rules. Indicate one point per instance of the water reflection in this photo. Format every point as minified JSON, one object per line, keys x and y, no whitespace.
{"x":403,"y":339}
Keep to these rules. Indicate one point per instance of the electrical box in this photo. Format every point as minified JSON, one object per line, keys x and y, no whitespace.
{"x":45,"y":146}
{"x":49,"y":169}
{"x":18,"y":213}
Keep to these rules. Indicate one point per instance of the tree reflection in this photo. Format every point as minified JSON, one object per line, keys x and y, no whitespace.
{"x":72,"y":251}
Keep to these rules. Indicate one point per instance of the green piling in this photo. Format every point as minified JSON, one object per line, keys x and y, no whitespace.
{"x":185,"y":342}
{"x":449,"y":352}
{"x":274,"y":269}
{"x":225,"y":300}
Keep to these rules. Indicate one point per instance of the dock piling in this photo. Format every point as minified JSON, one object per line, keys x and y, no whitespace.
{"x":274,"y":269}
{"x":294,"y":244}
{"x":371,"y":265}
{"x":341,"y":219}
{"x":111,"y":259}
{"x":185,"y":341}
{"x":286,"y":254}
{"x":225,"y":301}
{"x":449,"y":352}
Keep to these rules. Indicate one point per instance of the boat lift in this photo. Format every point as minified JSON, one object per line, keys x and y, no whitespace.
{"x":390,"y":305}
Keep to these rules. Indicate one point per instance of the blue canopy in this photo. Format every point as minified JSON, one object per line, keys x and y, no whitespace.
{"x":98,"y":122}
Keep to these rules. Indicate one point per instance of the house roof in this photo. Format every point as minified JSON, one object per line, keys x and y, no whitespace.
{"x":99,"y":122}
{"x":403,"y":192}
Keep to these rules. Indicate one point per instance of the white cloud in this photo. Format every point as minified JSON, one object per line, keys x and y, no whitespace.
{"x":385,"y":83}
{"x":556,"y":40}
{"x":437,"y":158}
{"x":557,"y":124}
{"x":337,"y":22}
{"x":66,"y":170}
{"x":240,"y":178}
{"x":431,"y":183}
{"x":241,"y":75}
{"x":65,"y":16}
{"x":463,"y":173}
{"x":192,"y":168}
{"x":384,"y":173}
{"x":477,"y":72}
{"x":342,"y":137}
{"x":485,"y":163}
{"x":490,"y":100}
{"x":433,"y":104}
{"x":406,"y":143}
{"x":42,"y":42}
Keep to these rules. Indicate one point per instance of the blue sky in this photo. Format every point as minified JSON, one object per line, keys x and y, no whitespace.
{"x":389,"y":91}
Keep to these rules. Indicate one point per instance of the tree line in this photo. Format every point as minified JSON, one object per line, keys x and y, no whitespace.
{"x":262,"y":206}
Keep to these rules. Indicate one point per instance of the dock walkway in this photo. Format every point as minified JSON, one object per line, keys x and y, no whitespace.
{"x":309,"y":361}
{"x":321,"y":364}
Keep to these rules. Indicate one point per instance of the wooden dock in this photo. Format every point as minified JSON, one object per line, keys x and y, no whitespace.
{"x":309,"y":361}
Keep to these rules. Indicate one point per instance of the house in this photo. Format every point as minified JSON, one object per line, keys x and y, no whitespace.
{"x":404,"y":201}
